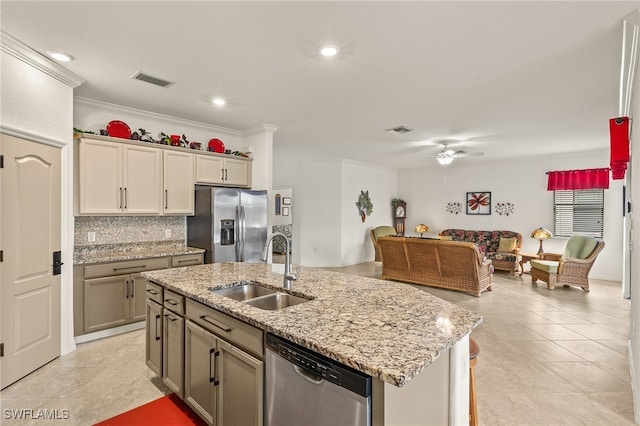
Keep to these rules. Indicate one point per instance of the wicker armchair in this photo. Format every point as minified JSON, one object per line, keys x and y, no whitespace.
{"x":570,"y":268}
{"x":377,"y":232}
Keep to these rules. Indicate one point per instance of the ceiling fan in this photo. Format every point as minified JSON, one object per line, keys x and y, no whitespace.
{"x":446,"y":155}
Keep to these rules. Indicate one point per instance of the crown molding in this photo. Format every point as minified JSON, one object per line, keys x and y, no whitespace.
{"x":24,"y":53}
{"x":262,"y":128}
{"x":154,"y":115}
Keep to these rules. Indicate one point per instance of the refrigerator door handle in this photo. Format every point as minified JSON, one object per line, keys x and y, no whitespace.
{"x":243,"y":229}
{"x":238,"y":235}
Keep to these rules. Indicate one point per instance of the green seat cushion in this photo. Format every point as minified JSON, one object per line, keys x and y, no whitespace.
{"x":549,"y":266}
{"x":580,"y":247}
{"x":383,"y":231}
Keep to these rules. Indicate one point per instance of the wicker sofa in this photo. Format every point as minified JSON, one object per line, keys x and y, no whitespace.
{"x":504,"y":256}
{"x":448,"y":264}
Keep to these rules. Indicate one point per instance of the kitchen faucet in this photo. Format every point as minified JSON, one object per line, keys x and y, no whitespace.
{"x":288,"y":275}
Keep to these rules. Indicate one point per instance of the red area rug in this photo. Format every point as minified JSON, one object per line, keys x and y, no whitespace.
{"x":168,"y":410}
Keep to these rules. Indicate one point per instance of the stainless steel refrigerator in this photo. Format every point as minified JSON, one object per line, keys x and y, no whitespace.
{"x":229,"y":223}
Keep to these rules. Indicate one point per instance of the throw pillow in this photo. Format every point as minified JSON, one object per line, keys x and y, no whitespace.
{"x":507,"y":245}
{"x":445,"y":237}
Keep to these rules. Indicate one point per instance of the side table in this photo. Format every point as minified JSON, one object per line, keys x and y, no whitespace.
{"x":524,"y":258}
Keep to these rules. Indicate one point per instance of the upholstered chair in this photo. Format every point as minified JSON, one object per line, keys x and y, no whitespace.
{"x":377,"y":232}
{"x":570,"y":268}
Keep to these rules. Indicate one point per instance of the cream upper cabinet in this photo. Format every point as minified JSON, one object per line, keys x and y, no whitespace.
{"x":179,"y":181}
{"x":223,"y":171}
{"x":142,"y":172}
{"x":114,"y":178}
{"x":236,"y":172}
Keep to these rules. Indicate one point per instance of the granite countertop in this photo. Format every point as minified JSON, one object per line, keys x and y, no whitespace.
{"x":130,"y":251}
{"x":386,"y":329}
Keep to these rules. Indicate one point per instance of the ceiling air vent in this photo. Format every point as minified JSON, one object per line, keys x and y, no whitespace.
{"x":400,"y":130}
{"x":149,"y":79}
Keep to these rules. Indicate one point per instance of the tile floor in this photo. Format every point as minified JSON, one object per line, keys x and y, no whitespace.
{"x":547,"y":357}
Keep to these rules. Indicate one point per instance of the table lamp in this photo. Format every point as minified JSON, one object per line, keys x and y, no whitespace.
{"x":421,"y":229}
{"x":541,"y":234}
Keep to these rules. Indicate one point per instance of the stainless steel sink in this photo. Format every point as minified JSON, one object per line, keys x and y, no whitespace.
{"x":244,"y":291}
{"x":276,"y":301}
{"x":259,"y":296}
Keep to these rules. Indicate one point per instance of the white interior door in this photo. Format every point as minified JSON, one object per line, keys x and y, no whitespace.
{"x":29,"y":235}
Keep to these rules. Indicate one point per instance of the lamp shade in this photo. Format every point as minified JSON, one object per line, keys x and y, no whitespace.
{"x":541,"y":234}
{"x":422,"y":228}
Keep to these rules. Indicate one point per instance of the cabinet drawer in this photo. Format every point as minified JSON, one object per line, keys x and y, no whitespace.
{"x":187,"y":260}
{"x":154,"y":292}
{"x":128,"y":267}
{"x":174,"y":302}
{"x":231,"y":329}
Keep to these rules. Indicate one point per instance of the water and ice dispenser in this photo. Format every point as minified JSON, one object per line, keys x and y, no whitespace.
{"x":227,"y":232}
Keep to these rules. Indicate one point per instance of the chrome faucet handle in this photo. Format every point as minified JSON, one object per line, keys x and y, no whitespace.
{"x":294,"y":272}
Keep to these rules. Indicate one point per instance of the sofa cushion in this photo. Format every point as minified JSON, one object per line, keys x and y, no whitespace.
{"x":549,"y":266}
{"x":507,"y":245}
{"x":509,"y":257}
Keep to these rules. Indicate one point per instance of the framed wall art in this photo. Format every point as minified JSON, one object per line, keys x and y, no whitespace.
{"x":479,"y":202}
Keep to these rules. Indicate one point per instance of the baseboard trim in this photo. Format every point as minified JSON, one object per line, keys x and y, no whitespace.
{"x":109,"y":332}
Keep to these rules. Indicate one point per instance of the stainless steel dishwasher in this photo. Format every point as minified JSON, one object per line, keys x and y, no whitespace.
{"x":305,"y":388}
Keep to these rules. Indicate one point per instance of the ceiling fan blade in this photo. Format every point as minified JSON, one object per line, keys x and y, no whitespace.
{"x":468,"y":154}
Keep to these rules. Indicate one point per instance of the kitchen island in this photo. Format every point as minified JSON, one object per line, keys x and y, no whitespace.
{"x":414,"y":345}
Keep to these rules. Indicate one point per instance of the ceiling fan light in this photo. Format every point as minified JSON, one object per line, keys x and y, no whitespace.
{"x":444,"y":161}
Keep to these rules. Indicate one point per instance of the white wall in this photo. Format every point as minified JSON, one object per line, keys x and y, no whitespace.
{"x":260,"y":141}
{"x":521,"y":182}
{"x":356,"y":246}
{"x":328,"y":230}
{"x":37,"y":104}
{"x":316,"y":220}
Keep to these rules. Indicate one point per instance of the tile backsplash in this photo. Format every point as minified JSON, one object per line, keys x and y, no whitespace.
{"x":128,"y":229}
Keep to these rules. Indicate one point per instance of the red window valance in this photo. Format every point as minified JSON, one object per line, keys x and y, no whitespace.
{"x":578,"y":179}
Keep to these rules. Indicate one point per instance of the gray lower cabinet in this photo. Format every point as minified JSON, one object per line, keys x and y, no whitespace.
{"x":112,"y":294}
{"x":200,"y":383}
{"x":173,"y":342}
{"x":211,"y":360}
{"x":113,"y":301}
{"x":223,"y":384}
{"x":240,"y":395}
{"x":153,"y":336}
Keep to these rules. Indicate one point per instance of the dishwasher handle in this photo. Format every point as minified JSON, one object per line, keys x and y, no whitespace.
{"x":308,"y":375}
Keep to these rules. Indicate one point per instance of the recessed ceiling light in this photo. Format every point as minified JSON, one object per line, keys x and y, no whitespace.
{"x":60,"y":56}
{"x":219,"y":101}
{"x":328,"y":51}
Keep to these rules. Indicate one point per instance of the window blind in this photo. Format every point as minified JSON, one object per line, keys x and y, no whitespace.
{"x":578,"y":212}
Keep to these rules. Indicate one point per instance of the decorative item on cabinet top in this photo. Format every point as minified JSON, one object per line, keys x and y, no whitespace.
{"x":121,"y":130}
